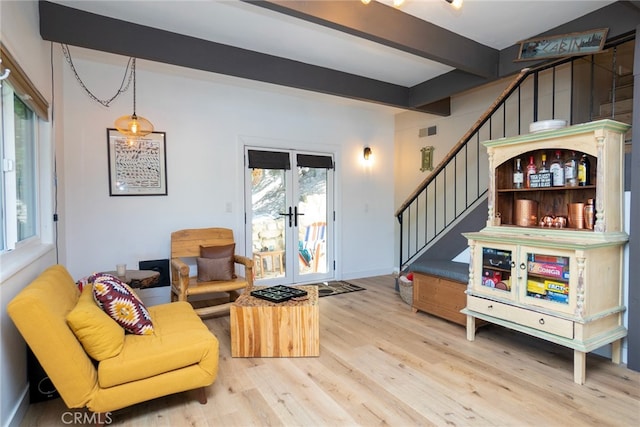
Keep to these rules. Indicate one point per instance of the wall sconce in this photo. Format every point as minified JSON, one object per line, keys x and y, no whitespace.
{"x":366,"y":153}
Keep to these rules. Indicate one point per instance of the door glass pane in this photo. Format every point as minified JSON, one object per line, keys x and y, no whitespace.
{"x":548,"y":277}
{"x":312,"y":220}
{"x":496,"y":269}
{"x":268,"y":198}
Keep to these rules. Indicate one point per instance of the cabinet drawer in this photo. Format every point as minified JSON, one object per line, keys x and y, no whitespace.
{"x":531,"y":319}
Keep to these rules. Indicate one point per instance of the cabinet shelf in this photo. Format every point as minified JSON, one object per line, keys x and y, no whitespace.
{"x":552,"y":229}
{"x":494,"y":268}
{"x":531,"y":190}
{"x":547,"y":277}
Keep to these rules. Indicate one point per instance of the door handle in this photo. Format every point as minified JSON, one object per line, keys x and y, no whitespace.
{"x":290,"y":215}
{"x":296,"y":213}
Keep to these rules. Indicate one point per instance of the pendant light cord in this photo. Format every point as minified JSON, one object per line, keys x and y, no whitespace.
{"x":130,"y":71}
{"x":133,"y":73}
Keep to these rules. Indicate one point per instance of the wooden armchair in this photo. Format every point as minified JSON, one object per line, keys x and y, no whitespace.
{"x":187,"y":244}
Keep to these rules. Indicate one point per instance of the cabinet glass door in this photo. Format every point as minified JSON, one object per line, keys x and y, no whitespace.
{"x":547,"y":282}
{"x":494,"y":276}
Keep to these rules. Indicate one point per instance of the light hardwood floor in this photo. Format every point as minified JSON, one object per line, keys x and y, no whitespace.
{"x":382,"y":364}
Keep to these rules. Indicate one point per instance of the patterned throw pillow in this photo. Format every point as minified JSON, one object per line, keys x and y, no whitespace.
{"x":119,"y":301}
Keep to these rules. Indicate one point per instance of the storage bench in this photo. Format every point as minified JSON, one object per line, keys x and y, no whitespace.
{"x":439,"y":289}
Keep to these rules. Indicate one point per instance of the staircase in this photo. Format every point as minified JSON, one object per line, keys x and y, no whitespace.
{"x":453,"y":198}
{"x":619,"y":103}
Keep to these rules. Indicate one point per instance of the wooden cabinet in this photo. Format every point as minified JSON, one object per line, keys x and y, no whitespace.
{"x":439,"y":296}
{"x":561,"y":284}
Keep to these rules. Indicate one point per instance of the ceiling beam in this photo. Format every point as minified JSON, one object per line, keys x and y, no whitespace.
{"x":475,"y":64}
{"x":390,"y":27}
{"x":71,"y":26}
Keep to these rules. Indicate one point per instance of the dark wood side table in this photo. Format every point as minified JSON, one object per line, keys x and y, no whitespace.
{"x":138,"y":278}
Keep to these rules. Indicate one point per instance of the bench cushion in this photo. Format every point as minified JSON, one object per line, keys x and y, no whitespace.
{"x":457,"y":271}
{"x":180,"y":339}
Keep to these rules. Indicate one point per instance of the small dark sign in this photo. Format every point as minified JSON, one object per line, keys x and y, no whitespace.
{"x":540,"y":180}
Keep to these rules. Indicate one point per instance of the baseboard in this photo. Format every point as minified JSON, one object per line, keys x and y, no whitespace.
{"x":20,"y":409}
{"x":366,"y":273}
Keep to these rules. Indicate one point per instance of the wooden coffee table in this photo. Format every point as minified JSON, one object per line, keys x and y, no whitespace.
{"x":261,"y":328}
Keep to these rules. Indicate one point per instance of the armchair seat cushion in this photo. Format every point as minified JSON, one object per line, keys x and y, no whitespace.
{"x":180,"y":339}
{"x":209,"y":248}
{"x":197,"y":287}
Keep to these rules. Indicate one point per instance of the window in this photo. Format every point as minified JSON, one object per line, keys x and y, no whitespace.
{"x":19,"y":164}
{"x":22,"y":112}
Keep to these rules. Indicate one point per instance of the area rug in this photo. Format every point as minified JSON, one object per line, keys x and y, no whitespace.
{"x":326,"y":289}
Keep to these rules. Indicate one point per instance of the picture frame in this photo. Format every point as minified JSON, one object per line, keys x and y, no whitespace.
{"x":137,"y":166}
{"x":571,"y":44}
{"x":427,"y":158}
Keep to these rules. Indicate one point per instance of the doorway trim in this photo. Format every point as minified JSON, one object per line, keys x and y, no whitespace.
{"x":279,"y":144}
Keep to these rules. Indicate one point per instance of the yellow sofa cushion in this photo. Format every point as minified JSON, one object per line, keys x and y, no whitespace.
{"x":100,"y":335}
{"x":180,"y":339}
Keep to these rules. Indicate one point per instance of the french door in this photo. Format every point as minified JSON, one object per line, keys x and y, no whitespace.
{"x":289,"y":215}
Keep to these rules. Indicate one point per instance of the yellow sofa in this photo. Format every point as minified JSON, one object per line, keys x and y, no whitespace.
{"x":180,"y":355}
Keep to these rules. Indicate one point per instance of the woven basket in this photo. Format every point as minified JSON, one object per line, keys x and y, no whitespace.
{"x":406,"y":290}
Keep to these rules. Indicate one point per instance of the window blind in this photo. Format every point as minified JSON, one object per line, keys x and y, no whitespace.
{"x":23,"y":86}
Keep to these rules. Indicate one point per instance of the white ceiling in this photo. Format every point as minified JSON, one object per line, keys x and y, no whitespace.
{"x":494,"y":23}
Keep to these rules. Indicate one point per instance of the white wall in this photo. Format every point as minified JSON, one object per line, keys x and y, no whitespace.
{"x":465,"y":110}
{"x":20,"y":35}
{"x":207,"y":117}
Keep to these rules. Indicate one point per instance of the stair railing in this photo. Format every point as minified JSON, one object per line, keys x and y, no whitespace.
{"x":417,"y":227}
{"x":459,"y":182}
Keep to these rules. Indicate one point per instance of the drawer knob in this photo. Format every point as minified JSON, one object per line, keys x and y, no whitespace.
{"x":490,"y":306}
{"x":541,"y":321}
{"x":522,"y":266}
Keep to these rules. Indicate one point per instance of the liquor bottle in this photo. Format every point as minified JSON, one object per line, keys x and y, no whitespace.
{"x":543,"y":164}
{"x":518,"y":175}
{"x":531,"y":169}
{"x":589,"y":214}
{"x":571,"y":170}
{"x":557,"y":171}
{"x":584,"y":170}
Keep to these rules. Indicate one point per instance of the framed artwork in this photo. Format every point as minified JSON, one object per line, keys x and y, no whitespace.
{"x":427,"y":159}
{"x":137,"y":166}
{"x":583,"y":43}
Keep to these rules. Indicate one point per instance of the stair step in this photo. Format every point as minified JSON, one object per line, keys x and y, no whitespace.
{"x":623,"y":106}
{"x":622,"y":92}
{"x":625,"y":79}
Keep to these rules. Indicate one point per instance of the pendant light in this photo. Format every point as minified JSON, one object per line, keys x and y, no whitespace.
{"x":133,"y":126}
